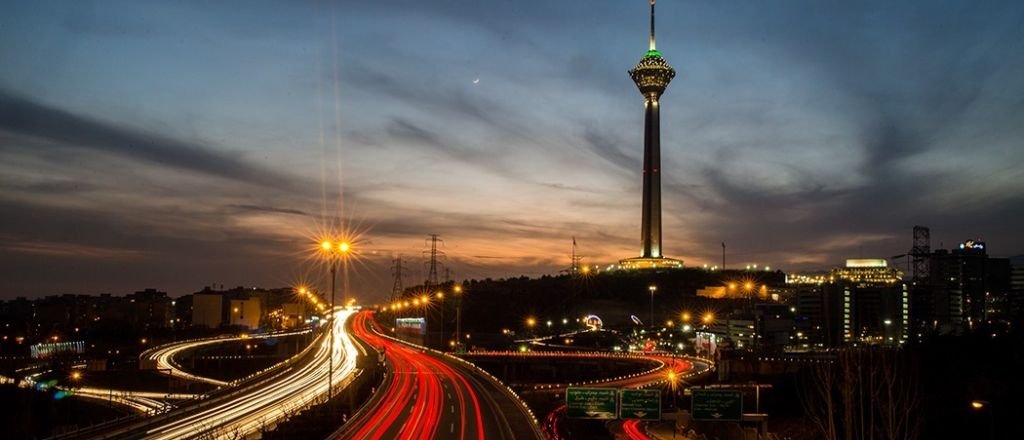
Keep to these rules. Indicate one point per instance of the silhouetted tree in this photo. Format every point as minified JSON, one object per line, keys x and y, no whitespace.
{"x":864,"y":394}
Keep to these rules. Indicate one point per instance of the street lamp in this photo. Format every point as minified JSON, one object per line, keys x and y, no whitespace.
{"x":333,"y":251}
{"x":440,"y":297}
{"x":708,"y":318}
{"x":652,"y":288}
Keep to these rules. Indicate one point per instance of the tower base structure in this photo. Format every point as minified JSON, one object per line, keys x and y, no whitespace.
{"x":641,"y":263}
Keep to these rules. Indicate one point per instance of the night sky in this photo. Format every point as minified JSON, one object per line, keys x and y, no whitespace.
{"x":178,"y":144}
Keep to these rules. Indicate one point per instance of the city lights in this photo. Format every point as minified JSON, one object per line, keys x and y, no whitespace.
{"x":194,"y":198}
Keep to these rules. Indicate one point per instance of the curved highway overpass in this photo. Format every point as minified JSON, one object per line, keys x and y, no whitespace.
{"x":164,"y":355}
{"x":258,"y":402}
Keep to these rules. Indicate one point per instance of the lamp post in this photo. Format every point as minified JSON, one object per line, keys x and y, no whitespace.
{"x":673,"y":380}
{"x":652,"y":288}
{"x":333,"y":252}
{"x":424,"y":301}
{"x":458,"y":317}
{"x":440,"y":298}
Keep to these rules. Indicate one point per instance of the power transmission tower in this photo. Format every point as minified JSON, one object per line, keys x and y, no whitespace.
{"x":396,"y":270}
{"x":921,"y":252}
{"x":575,"y":260}
{"x":433,"y":263}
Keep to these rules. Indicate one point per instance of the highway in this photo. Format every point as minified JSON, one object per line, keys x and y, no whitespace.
{"x":681,"y":367}
{"x":164,"y":354}
{"x":260,"y":403}
{"x":147,"y":402}
{"x":152,"y":403}
{"x":667,"y":369}
{"x":633,"y":430}
{"x":431,"y":395}
{"x":141,"y":401}
{"x":263,"y":405}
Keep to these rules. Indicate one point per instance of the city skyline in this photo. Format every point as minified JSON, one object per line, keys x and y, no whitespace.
{"x":182,"y":146}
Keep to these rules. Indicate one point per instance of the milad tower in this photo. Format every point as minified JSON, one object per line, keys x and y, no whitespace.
{"x":651,"y":75}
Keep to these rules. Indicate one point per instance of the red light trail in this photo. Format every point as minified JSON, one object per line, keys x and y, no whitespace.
{"x":413,"y":403}
{"x":632,"y":430}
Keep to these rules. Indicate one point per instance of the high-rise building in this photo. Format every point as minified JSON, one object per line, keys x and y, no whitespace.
{"x":965,"y":288}
{"x":1015,"y":300}
{"x":865,"y":302}
{"x":652,"y":76}
{"x":812,"y":307}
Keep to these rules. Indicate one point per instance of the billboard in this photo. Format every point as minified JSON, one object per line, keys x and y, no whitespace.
{"x":413,"y":330}
{"x":45,"y":350}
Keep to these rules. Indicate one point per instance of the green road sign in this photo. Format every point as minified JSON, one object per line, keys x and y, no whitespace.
{"x":711,"y":404}
{"x":591,"y":403}
{"x":640,"y":404}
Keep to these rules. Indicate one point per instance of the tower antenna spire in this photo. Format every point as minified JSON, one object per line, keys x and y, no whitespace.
{"x":652,"y":25}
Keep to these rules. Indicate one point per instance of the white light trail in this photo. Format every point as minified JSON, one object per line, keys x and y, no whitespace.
{"x":265,"y":404}
{"x":164,"y":355}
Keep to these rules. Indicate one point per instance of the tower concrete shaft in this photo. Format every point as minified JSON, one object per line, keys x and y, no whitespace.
{"x":652,"y":76}
{"x":650,"y":223}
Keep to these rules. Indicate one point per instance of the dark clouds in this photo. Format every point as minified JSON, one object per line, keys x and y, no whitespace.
{"x":28,"y":118}
{"x":609,"y":147}
{"x":800,"y":134}
{"x":906,"y":87}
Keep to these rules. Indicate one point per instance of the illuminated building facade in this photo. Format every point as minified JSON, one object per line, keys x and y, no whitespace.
{"x":865,"y":302}
{"x":651,"y":76}
{"x":763,"y":328}
{"x":246,"y":313}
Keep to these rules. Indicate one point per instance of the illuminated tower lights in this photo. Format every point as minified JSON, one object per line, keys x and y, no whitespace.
{"x":651,"y":76}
